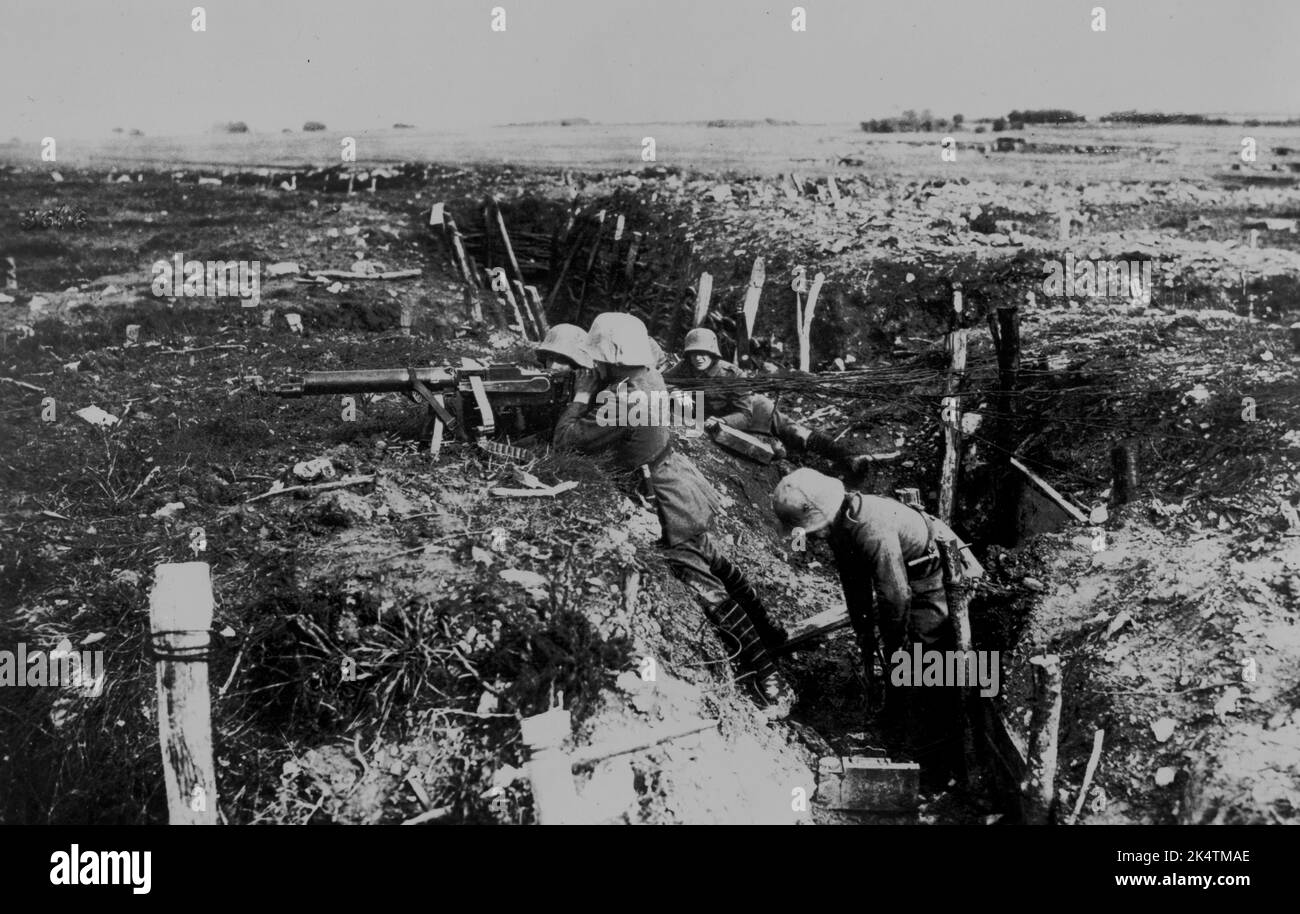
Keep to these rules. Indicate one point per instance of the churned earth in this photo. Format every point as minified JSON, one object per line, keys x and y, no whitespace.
{"x":379,"y":642}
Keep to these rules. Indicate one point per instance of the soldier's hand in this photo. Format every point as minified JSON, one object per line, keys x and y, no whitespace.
{"x":584,"y":383}
{"x":711,"y":424}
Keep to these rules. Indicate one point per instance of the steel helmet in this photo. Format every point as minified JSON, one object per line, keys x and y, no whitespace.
{"x":620,"y":339}
{"x":566,"y":341}
{"x":807,"y":499}
{"x":702,"y":339}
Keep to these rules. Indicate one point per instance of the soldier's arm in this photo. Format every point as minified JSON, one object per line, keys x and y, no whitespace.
{"x":575,"y":430}
{"x":858,"y":597}
{"x":888,"y":570}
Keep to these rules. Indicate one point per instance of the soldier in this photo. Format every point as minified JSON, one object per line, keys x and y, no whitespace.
{"x":564,"y":348}
{"x":742,"y":409}
{"x":684,"y":500}
{"x":889,"y":567}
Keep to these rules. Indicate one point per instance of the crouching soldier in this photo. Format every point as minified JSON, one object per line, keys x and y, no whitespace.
{"x":750,"y":412}
{"x":686,"y":503}
{"x":888,"y":562}
{"x":563,"y":349}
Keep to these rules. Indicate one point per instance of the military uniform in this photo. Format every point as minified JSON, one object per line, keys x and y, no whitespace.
{"x":686,"y":505}
{"x":743,"y":409}
{"x":889,"y":565}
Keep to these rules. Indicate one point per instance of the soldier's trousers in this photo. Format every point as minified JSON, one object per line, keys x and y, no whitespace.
{"x":729,"y":602}
{"x":798,"y":437}
{"x":925,"y":716}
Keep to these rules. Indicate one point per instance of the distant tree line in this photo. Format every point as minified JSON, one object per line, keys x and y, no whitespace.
{"x":1045,"y":116}
{"x":912,"y":122}
{"x":1159,"y":117}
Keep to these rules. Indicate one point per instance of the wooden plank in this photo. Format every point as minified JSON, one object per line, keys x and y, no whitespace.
{"x":814,"y":627}
{"x":180,"y":619}
{"x":1054,"y":496}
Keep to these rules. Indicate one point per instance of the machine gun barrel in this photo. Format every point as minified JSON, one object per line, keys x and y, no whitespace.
{"x":374,"y":380}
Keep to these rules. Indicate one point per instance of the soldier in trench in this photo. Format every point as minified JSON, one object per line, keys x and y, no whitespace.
{"x":750,"y":412}
{"x":888,"y":562}
{"x":685,"y":502}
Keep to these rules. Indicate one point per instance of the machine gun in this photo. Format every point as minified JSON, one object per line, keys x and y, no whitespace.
{"x":460,"y":401}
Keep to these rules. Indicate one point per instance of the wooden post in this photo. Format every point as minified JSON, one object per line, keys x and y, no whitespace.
{"x":452,"y":235}
{"x":805,"y":331}
{"x":180,"y":617}
{"x":564,"y":270}
{"x":620,"y":223}
{"x":534,"y":315}
{"x":591,"y":259}
{"x":1124,"y":471}
{"x":749,"y":310}
{"x":488,"y":230}
{"x":1008,"y":340}
{"x":956,"y":345}
{"x":632,"y":250}
{"x":958,"y":594}
{"x":508,"y":249}
{"x":501,"y":286}
{"x":834,"y":191}
{"x":555,"y":798}
{"x":473,"y":310}
{"x":1038,"y":790}
{"x":702,"y":296}
{"x":539,"y":311}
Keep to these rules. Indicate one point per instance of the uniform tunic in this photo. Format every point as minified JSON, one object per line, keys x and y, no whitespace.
{"x":737,"y":407}
{"x":685,"y":501}
{"x":873,"y":540}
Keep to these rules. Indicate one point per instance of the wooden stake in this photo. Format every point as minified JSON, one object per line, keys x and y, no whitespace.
{"x":1124,"y":471}
{"x":702,"y":296}
{"x":180,"y":617}
{"x":632,"y":250}
{"x":749,"y":310}
{"x":1038,"y":790}
{"x":501,"y":286}
{"x":956,"y":344}
{"x":558,"y":282}
{"x":958,"y":592}
{"x":805,"y":331}
{"x":1088,"y":772}
{"x":1008,"y":340}
{"x":534,"y":299}
{"x":452,"y":234}
{"x":512,"y":263}
{"x":591,"y":260}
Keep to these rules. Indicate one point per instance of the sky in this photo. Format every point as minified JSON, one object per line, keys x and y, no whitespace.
{"x":81,"y":67}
